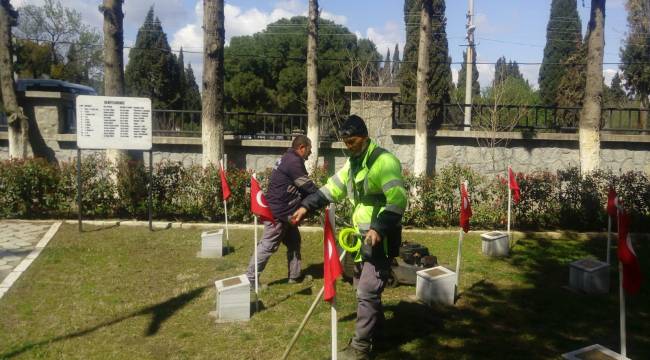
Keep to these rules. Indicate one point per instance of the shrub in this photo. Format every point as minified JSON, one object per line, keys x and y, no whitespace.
{"x":29,"y":188}
{"x":33,"y":188}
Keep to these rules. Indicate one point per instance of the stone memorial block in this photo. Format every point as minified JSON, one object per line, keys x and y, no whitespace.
{"x":211,"y":244}
{"x":495,"y":243}
{"x":590,"y":276}
{"x":593,"y":352}
{"x":233,"y":299}
{"x":436,"y":285}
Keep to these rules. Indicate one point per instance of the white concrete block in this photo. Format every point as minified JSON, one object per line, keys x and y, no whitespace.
{"x":590,"y":276}
{"x":495,"y":243}
{"x":211,"y":244}
{"x":436,"y":285}
{"x":596,"y":352}
{"x":233,"y":299}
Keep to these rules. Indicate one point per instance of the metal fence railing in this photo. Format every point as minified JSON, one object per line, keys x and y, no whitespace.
{"x":242,"y":125}
{"x":3,"y":121}
{"x":520,"y":118}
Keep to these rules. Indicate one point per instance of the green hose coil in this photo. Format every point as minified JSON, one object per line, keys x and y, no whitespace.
{"x":346,"y":237}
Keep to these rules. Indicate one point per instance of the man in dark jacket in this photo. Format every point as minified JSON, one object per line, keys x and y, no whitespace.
{"x":288,"y":186}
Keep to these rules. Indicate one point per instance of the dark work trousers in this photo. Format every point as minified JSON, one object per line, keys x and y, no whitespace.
{"x":369,"y":279}
{"x":273,"y":235}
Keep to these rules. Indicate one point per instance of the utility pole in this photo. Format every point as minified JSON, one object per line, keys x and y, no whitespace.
{"x":469,"y":61}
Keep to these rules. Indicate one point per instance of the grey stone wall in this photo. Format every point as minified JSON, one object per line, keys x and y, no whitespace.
{"x":525,"y":152}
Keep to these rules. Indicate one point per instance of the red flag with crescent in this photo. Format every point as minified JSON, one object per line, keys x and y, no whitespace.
{"x":465,"y":208}
{"x":225,"y":189}
{"x":627,"y":256}
{"x":512,"y":183}
{"x":259,"y":206}
{"x":331,"y":263}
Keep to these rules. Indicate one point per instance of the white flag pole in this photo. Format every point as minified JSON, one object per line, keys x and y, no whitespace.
{"x":509,"y":203}
{"x":225,"y":206}
{"x":307,"y":316}
{"x":334,"y":329}
{"x":257,"y":302}
{"x":609,"y":238}
{"x":460,"y":243}
{"x":622,"y":310}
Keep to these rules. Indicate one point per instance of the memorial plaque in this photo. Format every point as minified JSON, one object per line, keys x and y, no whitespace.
{"x":593,"y":352}
{"x":107,"y":122}
{"x":436,"y":285}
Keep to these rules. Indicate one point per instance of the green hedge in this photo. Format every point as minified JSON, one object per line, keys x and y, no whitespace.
{"x":35,"y":189}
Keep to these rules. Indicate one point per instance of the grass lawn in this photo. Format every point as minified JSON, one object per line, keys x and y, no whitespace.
{"x":127,"y":293}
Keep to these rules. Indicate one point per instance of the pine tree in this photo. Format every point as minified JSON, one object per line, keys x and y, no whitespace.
{"x":462,"y":76}
{"x":386,"y":70}
{"x":152,"y":70}
{"x":504,"y":69}
{"x":192,"y":100}
{"x":396,"y":62}
{"x":563,"y":39}
{"x":635,"y":55}
{"x":439,"y":61}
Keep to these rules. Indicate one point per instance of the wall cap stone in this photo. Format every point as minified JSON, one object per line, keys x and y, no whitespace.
{"x":605,"y":137}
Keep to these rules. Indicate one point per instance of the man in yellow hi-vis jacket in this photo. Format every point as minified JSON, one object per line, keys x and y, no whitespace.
{"x":372,"y":181}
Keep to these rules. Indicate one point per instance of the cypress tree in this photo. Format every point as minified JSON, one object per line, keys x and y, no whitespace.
{"x":439,"y":61}
{"x":192,"y":100}
{"x":504,"y":69}
{"x":635,"y":55}
{"x":396,"y":62}
{"x":563,"y":39}
{"x":152,"y":70}
{"x":462,"y":76}
{"x":386,"y":71}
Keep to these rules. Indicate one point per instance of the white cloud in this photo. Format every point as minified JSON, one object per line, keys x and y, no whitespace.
{"x":485,"y":73}
{"x":454,"y":75}
{"x":530,"y":73}
{"x":386,"y":37}
{"x":608,"y":74}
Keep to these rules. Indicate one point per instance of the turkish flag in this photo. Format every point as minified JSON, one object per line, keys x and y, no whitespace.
{"x":331,"y":263}
{"x":612,"y":203}
{"x":465,"y":208}
{"x":627,"y":256}
{"x":259,"y":206}
{"x":512,"y":183}
{"x":225,"y":189}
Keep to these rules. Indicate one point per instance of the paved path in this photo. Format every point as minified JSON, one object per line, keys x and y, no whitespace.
{"x":17,"y":240}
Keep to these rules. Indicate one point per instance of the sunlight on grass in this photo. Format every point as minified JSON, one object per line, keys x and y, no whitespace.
{"x":128,"y":293}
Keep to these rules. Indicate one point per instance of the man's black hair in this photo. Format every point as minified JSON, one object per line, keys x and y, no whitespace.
{"x":299,"y":141}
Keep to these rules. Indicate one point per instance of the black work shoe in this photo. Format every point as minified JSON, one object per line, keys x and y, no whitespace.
{"x":351,"y":353}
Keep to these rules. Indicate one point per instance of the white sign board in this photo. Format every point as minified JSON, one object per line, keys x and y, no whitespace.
{"x":107,"y":122}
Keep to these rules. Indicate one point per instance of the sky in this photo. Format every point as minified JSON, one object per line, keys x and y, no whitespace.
{"x":515,"y":29}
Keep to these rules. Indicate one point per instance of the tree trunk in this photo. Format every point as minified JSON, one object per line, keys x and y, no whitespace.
{"x":313,"y":123}
{"x":422,"y":93}
{"x":212,"y":116}
{"x":589,"y":132}
{"x":18,"y":125}
{"x":113,"y":60}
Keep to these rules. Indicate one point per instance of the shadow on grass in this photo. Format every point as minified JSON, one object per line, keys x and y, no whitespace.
{"x":304,"y":291}
{"x":99,"y":228}
{"x":159,"y":314}
{"x":537,"y":319}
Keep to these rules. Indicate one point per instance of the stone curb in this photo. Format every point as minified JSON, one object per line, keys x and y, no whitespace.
{"x":22,"y":267}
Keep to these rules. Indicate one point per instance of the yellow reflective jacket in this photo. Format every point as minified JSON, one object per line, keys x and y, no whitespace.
{"x":377,"y":193}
